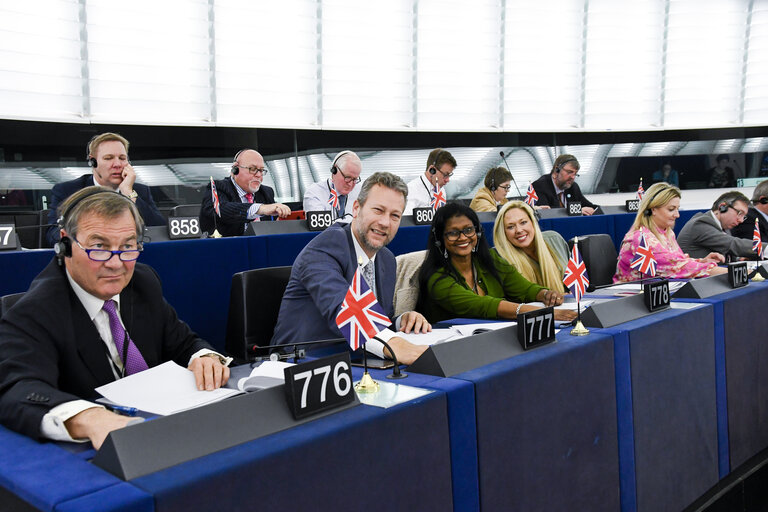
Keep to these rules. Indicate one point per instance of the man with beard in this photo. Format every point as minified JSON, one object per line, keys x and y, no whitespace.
{"x":559,"y":187}
{"x":323,"y":271}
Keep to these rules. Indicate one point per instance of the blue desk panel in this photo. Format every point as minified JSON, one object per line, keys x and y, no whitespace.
{"x":364,"y":458}
{"x":667,"y":412}
{"x":546,"y":428}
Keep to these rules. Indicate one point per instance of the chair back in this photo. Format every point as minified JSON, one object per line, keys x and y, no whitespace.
{"x":7,"y":301}
{"x":407,"y":281}
{"x":254,"y":303}
{"x":185,"y":210}
{"x":600,"y":257}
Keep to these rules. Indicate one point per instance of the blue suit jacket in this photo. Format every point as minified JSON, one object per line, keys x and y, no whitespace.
{"x":61,"y":191}
{"x":320,"y":278}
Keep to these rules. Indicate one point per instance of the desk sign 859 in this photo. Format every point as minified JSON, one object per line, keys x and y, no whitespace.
{"x":656,"y":295}
{"x":319,"y":220}
{"x":738,"y":275}
{"x":536,"y":327}
{"x":318,"y":385}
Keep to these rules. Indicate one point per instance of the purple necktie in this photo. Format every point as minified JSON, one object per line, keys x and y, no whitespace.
{"x":134,"y":362}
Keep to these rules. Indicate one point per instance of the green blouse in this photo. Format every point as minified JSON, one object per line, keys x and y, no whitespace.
{"x":447,"y":297}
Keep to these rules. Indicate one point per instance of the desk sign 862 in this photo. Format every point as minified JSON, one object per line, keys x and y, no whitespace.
{"x":318,"y":385}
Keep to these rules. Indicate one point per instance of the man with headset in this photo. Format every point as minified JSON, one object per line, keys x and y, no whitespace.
{"x":758,"y":211}
{"x":440,"y":166}
{"x":337,"y":193}
{"x":710,"y":231}
{"x":242,"y":197}
{"x":108,"y":156}
{"x":92,"y":316}
{"x":559,"y":187}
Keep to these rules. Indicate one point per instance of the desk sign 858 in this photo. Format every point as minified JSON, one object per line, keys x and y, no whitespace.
{"x":536,"y":327}
{"x":318,"y":385}
{"x":183,"y":227}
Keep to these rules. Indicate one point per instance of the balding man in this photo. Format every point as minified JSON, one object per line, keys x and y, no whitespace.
{"x":337,"y":193}
{"x":242,"y":196}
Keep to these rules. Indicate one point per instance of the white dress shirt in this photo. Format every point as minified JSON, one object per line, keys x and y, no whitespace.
{"x":316,"y":199}
{"x":419,"y":194}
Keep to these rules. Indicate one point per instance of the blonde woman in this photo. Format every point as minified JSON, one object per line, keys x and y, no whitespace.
{"x":655,"y":221}
{"x":539,"y":256}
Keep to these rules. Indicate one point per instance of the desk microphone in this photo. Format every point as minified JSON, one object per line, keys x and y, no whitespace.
{"x":513,"y":176}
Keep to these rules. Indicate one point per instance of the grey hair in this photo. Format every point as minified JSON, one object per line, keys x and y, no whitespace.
{"x":761,"y":190}
{"x":101,"y":201}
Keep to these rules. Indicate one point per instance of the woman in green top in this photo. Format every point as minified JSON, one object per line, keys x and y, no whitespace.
{"x":462,"y":278}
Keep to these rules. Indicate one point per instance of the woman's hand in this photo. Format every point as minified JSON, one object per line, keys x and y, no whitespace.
{"x":550,"y":297}
{"x":713,"y":257}
{"x":564,"y":315}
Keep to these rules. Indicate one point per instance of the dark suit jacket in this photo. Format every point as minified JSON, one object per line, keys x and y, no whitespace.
{"x":320,"y":278}
{"x":61,"y":191}
{"x":51,"y":352}
{"x":233,"y":211}
{"x":746,"y":228}
{"x":703,"y":234}
{"x":545,"y":189}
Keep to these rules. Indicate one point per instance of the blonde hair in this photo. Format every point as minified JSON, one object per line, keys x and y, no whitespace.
{"x":656,"y":196}
{"x":97,"y":140}
{"x":550,"y":274}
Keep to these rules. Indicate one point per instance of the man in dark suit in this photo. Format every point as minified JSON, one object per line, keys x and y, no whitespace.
{"x":242,"y":197}
{"x":758,"y":211}
{"x":93,"y":315}
{"x":709,"y":231}
{"x":559,"y":187}
{"x":323,"y":271}
{"x":108,"y":155}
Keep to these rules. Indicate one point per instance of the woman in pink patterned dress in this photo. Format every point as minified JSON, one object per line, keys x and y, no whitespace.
{"x":655,"y":221}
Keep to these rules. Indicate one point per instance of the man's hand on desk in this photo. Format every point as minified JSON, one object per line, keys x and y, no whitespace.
{"x":94,"y":424}
{"x":586,"y":210}
{"x":413,"y":321}
{"x":278,"y":209}
{"x":406,"y":352}
{"x":209,"y":373}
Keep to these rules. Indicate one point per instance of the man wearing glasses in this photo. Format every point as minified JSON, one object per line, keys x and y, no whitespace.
{"x":92,"y":316}
{"x":710,"y":231}
{"x":559,"y":187}
{"x":337,"y":193}
{"x":242,"y":197}
{"x":440,"y":166}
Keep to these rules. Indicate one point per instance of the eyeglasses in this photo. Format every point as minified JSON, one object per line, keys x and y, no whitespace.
{"x":348,"y":179}
{"x":739,"y":214}
{"x":446,"y":174}
{"x":505,"y":187}
{"x":106,"y":255}
{"x":253,"y":169}
{"x":454,"y":235}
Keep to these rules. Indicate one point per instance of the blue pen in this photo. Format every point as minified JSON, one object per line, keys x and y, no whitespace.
{"x":125,"y":411}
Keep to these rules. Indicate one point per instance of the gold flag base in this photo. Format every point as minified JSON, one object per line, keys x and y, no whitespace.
{"x":579,"y":330}
{"x":216,"y":234}
{"x":758,"y":277}
{"x":367,"y":384}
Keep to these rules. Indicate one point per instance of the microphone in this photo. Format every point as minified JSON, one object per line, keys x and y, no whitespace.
{"x":396,"y":374}
{"x":513,"y":176}
{"x":297,"y":352}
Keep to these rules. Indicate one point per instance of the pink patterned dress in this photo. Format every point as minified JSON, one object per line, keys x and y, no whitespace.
{"x":671,"y":262}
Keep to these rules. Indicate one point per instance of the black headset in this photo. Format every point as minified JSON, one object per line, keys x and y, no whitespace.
{"x":560,"y":167}
{"x":63,"y":248}
{"x":335,"y":169}
{"x":761,"y":200}
{"x":493,"y":186}
{"x":724,"y":206}
{"x":433,"y":168}
{"x":235,"y":169}
{"x":648,"y":212}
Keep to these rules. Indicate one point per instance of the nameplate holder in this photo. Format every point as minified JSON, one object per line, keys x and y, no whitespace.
{"x":614,"y":312}
{"x":704,"y":288}
{"x":8,"y":239}
{"x":151,"y":446}
{"x":423,"y":216}
{"x":738,"y":275}
{"x":633,"y":205}
{"x":319,"y":385}
{"x":656,"y":295}
{"x":573,"y":209}
{"x":318,"y":221}
{"x":536,"y":328}
{"x":464,"y":354}
{"x":180,"y":228}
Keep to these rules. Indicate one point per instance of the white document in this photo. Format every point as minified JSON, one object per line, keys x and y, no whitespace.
{"x":430,"y":338}
{"x":270,"y":369}
{"x":571,"y":306}
{"x":470,"y":329}
{"x":164,"y":389}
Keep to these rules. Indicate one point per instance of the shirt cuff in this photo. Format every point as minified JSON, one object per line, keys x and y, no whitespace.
{"x":52,"y":427}
{"x":253,"y":211}
{"x":205,"y":351}
{"x":376,"y":347}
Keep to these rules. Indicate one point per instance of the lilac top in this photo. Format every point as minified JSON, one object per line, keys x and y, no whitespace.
{"x":671,"y":262}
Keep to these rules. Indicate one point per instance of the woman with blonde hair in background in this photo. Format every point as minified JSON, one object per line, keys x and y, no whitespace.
{"x":539,"y":256}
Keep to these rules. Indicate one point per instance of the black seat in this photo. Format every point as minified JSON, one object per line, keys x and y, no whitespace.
{"x":186,"y":210}
{"x":7,"y":301}
{"x":254,"y":303}
{"x":600,"y":258}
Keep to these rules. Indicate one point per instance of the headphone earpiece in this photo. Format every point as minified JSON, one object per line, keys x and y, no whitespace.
{"x":235,"y":169}
{"x":335,"y":169}
{"x":493,"y":186}
{"x":723,"y":207}
{"x":92,"y":162}
{"x":63,"y":248}
{"x":432,"y":170}
{"x":761,"y":200}
{"x":648,"y":212}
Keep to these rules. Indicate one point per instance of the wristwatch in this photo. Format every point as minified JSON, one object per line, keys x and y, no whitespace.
{"x":133,"y":195}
